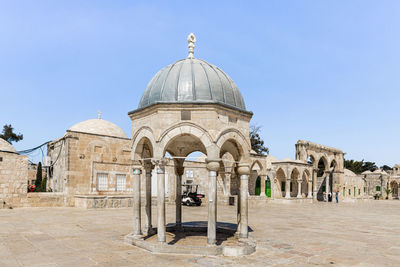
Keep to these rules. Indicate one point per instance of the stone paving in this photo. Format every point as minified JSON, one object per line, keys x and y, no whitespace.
{"x":345,"y":234}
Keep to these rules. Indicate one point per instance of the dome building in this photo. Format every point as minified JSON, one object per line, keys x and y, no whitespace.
{"x":189,"y":106}
{"x":90,"y":164}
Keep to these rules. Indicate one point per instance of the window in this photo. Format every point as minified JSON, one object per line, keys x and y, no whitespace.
{"x":283,"y":186}
{"x":365,"y":189}
{"x":186,"y":115}
{"x":359,"y":191}
{"x":102,"y":182}
{"x":344,"y":191}
{"x":121,"y":182}
{"x":378,"y":188}
{"x":1,"y":159}
{"x":349,"y":192}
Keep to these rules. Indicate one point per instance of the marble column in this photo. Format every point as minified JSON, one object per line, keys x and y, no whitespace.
{"x":287,"y":188}
{"x":149,"y":226}
{"x":309,"y":189}
{"x":327,"y":184}
{"x":315,"y":187}
{"x":244,"y":171}
{"x":263,"y":177}
{"x":137,"y":230}
{"x":161,"y":229}
{"x":178,"y":199}
{"x":212,"y":167}
{"x":299,"y":189}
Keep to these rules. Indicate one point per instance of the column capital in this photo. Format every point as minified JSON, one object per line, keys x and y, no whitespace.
{"x":213,"y":164}
{"x":160,"y":162}
{"x":243,"y":169}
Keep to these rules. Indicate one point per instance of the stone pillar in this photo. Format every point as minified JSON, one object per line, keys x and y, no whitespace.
{"x":137,"y":230}
{"x":161,"y":229}
{"x":272,"y":177}
{"x":178,"y":200}
{"x":149,"y":226}
{"x":244,"y":171}
{"x":327,"y":184}
{"x":309,"y":189}
{"x":263,"y":177}
{"x":299,"y":189}
{"x":315,"y":187}
{"x":287,"y":188}
{"x":212,"y":167}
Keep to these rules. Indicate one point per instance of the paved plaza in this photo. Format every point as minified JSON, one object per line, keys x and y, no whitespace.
{"x":347,"y":234}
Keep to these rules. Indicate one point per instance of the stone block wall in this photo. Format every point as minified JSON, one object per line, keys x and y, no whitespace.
{"x":13,"y":179}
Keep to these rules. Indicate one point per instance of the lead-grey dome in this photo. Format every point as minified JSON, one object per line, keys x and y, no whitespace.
{"x":192,"y":80}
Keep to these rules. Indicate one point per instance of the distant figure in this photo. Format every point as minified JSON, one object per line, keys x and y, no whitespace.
{"x":337,"y":196}
{"x":329,"y":197}
{"x":324,"y":196}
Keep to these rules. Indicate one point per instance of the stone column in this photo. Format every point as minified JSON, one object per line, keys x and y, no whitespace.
{"x":299,"y":189}
{"x":263,"y":177}
{"x":149,"y":226}
{"x":161,"y":229}
{"x":309,"y":189}
{"x":315,"y":187}
{"x":178,"y":200}
{"x":272,"y":177}
{"x":212,"y":167}
{"x":137,"y":230}
{"x":327,"y":184}
{"x":244,"y":171}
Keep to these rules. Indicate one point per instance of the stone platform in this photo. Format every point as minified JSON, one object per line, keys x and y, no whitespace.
{"x":192,"y":239}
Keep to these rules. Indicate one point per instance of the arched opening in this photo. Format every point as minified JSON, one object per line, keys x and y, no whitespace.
{"x":268,"y":187}
{"x":394,"y":187}
{"x":255,"y":172}
{"x":304,"y":184}
{"x":257,"y":190}
{"x":321,"y":179}
{"x":281,"y":183}
{"x":294,"y":187}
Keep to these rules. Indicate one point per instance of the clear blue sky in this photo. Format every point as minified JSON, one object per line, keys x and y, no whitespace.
{"x":325,"y":71}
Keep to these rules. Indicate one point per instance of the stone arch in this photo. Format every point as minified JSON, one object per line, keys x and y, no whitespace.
{"x":186,"y":129}
{"x":142,"y":136}
{"x":280,"y":183}
{"x":294,"y":177}
{"x":255,"y":177}
{"x":232,"y":133}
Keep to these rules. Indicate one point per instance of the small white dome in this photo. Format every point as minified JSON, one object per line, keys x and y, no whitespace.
{"x":98,"y":126}
{"x":6,"y":146}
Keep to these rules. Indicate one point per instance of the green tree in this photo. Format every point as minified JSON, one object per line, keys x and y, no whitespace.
{"x":386,"y":168}
{"x":38,"y":182}
{"x":257,"y":144}
{"x":359,"y":167}
{"x":9,"y":135}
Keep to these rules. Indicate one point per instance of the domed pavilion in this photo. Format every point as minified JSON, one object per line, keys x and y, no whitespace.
{"x":189,"y":106}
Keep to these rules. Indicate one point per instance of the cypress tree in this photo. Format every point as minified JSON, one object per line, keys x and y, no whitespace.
{"x":38,"y":182}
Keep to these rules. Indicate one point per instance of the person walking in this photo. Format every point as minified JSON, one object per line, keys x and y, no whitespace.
{"x":337,"y":196}
{"x":329,"y":197}
{"x":324,"y":196}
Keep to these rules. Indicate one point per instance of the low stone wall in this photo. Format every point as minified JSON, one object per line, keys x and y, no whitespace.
{"x":101,"y":201}
{"x":46,"y":199}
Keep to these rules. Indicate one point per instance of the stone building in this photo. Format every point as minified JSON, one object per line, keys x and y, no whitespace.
{"x":13,"y":176}
{"x":91,"y":165}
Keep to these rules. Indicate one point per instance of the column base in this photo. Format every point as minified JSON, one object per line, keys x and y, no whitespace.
{"x":299,"y":196}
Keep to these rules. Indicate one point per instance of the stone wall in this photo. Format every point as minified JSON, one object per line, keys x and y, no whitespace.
{"x":46,"y":199}
{"x":13,"y":179}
